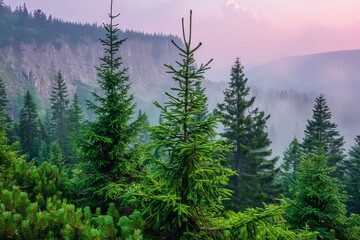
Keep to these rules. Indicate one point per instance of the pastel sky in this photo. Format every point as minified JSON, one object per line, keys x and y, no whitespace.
{"x":254,"y":30}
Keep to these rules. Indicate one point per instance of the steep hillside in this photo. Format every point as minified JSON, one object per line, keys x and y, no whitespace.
{"x":36,"y":64}
{"x":35,"y":47}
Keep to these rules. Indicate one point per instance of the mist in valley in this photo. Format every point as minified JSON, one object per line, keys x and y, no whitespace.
{"x":286,"y":89}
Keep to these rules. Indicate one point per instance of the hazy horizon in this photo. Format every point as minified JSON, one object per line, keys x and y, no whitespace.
{"x":256,"y":31}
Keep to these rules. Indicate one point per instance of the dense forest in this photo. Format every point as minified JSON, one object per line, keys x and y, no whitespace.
{"x":63,"y":176}
{"x":22,"y":26}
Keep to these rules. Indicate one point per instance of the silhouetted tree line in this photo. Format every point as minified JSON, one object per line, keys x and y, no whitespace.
{"x":21,"y":26}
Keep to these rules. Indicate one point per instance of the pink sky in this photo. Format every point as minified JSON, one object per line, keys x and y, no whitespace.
{"x":254,"y":30}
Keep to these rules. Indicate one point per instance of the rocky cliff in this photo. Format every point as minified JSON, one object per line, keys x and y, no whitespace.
{"x":35,"y":47}
{"x":34,"y":64}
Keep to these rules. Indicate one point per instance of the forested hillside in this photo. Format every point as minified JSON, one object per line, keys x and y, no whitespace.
{"x":35,"y":46}
{"x":115,"y":175}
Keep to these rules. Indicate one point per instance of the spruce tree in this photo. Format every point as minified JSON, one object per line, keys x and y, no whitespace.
{"x":45,"y":142}
{"x":75,"y":117}
{"x":29,"y":127}
{"x":352,"y":177}
{"x":321,"y":133}
{"x":3,"y":96}
{"x":319,"y":199}
{"x":75,"y":121}
{"x":109,"y":153}
{"x":144,"y":134}
{"x":244,"y":128}
{"x":6,"y":119}
{"x":290,"y":166}
{"x":7,"y":151}
{"x":59,"y":107}
{"x":203,"y":114}
{"x":185,"y":183}
{"x":56,"y":156}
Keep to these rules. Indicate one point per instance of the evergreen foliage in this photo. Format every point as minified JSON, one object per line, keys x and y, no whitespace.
{"x":75,"y":122}
{"x":22,"y":219}
{"x":76,"y":117}
{"x":259,"y":223}
{"x":7,"y":150}
{"x":39,"y":182}
{"x":352,"y":177}
{"x":144,"y":134}
{"x":319,"y":200}
{"x":186,"y":184}
{"x":321,"y":133}
{"x":245,"y":129}
{"x":56,"y":156}
{"x":59,"y":108}
{"x":168,"y":181}
{"x":31,"y":206}
{"x":5,"y":119}
{"x":3,"y":96}
{"x":22,"y":26}
{"x":108,"y":149}
{"x":29,"y":127}
{"x":290,"y":166}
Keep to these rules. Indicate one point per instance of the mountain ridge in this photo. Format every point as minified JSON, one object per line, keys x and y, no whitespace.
{"x":334,"y":65}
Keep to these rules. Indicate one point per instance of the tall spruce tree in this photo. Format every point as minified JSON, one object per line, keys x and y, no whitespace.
{"x":244,"y":128}
{"x":185,"y":184}
{"x":108,"y":149}
{"x":75,"y":117}
{"x":3,"y":96}
{"x":44,"y":148}
{"x":290,"y":166}
{"x":7,"y":151}
{"x":352,"y":177}
{"x":144,"y":134}
{"x":319,"y":199}
{"x":59,"y":107}
{"x":4,"y":107}
{"x":75,"y":121}
{"x":29,"y":127}
{"x":321,"y":133}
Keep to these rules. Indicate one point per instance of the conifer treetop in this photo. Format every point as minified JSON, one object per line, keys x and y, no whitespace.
{"x":321,"y":133}
{"x":186,"y":182}
{"x":112,"y":160}
{"x":188,"y":77}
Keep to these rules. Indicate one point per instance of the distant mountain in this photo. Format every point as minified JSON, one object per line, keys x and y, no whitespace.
{"x":331,"y":73}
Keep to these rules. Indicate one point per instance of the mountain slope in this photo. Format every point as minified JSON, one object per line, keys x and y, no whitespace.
{"x":35,"y":47}
{"x":324,"y":72}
